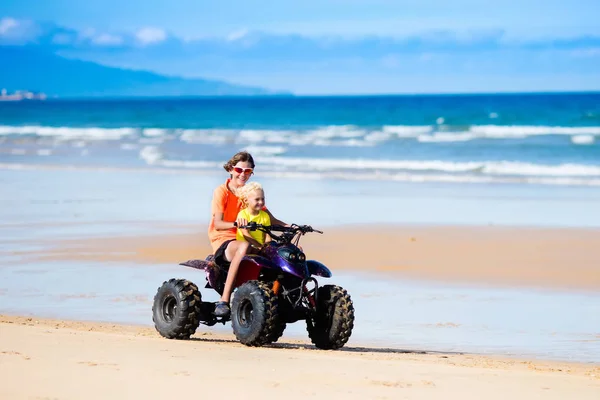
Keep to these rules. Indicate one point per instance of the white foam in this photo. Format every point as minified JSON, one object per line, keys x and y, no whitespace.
{"x":484,"y":167}
{"x":400,"y":176}
{"x":447,"y":137}
{"x":355,"y":143}
{"x":519,"y":131}
{"x":151,"y":154}
{"x":378,"y":136}
{"x":258,"y":151}
{"x":336,"y":131}
{"x":188,"y":164}
{"x":527,"y":169}
{"x":441,"y":178}
{"x":322,"y":136}
{"x":406,"y":131}
{"x":68,"y":133}
{"x":324,"y":164}
{"x":44,"y":152}
{"x":152,"y":140}
{"x":207,"y":136}
{"x":256,"y":135}
{"x":582,"y":139}
{"x":153,"y":132}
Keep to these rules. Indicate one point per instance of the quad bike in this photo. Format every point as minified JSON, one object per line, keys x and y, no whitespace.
{"x":273,"y":288}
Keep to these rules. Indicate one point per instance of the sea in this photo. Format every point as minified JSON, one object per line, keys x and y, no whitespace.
{"x":525,"y":139}
{"x":80,"y":169}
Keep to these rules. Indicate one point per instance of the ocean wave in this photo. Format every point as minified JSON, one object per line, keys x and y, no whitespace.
{"x":378,"y":167}
{"x":151,"y":154}
{"x":517,"y":131}
{"x":69,"y":132}
{"x":438,"y":178}
{"x":583,"y":139}
{"x":259,"y":151}
{"x":506,"y":168}
{"x":447,"y":137}
{"x":507,"y":132}
{"x":338,"y":135}
{"x":178,"y":166}
{"x":188,"y":164}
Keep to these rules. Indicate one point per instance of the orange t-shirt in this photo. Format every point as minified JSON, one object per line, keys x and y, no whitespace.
{"x":224,"y":201}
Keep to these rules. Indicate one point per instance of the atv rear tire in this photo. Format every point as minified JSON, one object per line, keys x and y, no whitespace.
{"x":176,"y":309}
{"x":331,"y":326}
{"x":255,"y":314}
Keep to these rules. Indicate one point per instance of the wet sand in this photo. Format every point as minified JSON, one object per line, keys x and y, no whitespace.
{"x":562,"y":258}
{"x":55,"y":359}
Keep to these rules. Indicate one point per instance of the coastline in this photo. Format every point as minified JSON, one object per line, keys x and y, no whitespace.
{"x":554,"y":258}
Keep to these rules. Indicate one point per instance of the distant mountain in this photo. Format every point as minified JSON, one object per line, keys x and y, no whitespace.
{"x":27,"y":68}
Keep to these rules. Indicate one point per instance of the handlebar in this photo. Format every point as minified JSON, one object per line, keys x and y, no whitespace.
{"x":252,"y":226}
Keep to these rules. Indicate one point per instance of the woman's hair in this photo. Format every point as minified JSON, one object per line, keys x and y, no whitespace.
{"x":241,"y":156}
{"x":244,"y":191}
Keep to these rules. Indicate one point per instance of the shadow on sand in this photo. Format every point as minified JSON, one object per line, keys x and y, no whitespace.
{"x":347,"y":349}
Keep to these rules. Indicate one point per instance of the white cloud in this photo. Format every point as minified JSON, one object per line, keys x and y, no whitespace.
{"x":6,"y":24}
{"x":151,"y":35}
{"x":106,"y":39}
{"x":586,"y":53}
{"x":87,"y":33}
{"x":237,"y":35}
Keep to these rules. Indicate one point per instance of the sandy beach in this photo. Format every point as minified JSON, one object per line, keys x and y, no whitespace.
{"x":55,"y":359}
{"x":442,"y":311}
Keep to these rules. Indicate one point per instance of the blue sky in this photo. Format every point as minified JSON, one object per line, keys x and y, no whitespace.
{"x":335,"y":46}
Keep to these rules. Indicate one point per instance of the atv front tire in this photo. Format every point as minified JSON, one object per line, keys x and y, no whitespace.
{"x":176,"y":309}
{"x":255,"y":314}
{"x":331,"y":325}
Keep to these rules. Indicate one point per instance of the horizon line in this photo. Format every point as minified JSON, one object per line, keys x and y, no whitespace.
{"x":348,"y":95}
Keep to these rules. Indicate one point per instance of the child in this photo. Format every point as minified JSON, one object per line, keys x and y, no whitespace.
{"x":253,"y":197}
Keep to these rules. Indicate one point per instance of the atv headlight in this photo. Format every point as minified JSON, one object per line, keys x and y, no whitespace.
{"x":291,"y":255}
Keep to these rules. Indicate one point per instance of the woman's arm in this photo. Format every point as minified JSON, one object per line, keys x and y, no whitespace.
{"x":221,"y":225}
{"x":218,"y":208}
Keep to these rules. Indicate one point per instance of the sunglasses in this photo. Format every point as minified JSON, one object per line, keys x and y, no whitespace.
{"x":245,"y":171}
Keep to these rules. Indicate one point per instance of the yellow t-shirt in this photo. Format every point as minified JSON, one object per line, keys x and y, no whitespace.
{"x":262,"y":218}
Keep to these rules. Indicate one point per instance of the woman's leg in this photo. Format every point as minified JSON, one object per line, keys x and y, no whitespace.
{"x":235,"y":251}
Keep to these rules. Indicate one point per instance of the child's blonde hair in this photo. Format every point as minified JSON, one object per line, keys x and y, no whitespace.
{"x":244,"y":191}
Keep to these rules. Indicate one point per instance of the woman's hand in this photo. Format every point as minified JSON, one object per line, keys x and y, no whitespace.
{"x":242,"y":222}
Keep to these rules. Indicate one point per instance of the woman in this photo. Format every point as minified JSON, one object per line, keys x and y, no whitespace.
{"x":222,"y":228}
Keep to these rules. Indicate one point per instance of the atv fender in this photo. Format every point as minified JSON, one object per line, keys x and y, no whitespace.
{"x":316,"y":268}
{"x":198,"y":264}
{"x":210,"y":268}
{"x":250,"y":268}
